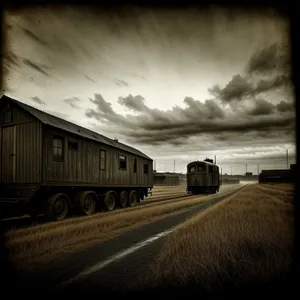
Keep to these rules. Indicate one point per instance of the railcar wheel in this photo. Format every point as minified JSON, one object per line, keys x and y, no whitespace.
{"x":85,"y":202}
{"x":132,"y":199}
{"x":123,"y":199}
{"x":57,"y":207}
{"x":110,"y":200}
{"x":141,"y":194}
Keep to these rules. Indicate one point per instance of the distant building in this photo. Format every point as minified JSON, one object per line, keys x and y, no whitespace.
{"x":170,"y":179}
{"x":230,"y":181}
{"x":277,"y":175}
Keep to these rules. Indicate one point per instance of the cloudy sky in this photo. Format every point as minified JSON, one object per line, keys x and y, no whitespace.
{"x":179,"y":85}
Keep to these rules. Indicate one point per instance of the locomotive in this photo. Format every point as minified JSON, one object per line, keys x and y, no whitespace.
{"x":203,"y":177}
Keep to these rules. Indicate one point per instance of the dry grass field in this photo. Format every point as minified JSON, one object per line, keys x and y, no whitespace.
{"x":33,"y":246}
{"x":242,"y":242}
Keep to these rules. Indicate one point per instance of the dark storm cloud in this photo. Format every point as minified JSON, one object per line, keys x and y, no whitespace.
{"x":196,"y":109}
{"x":236,"y":89}
{"x":102,"y":105}
{"x":271,"y":61}
{"x":104,"y":113}
{"x":34,"y":66}
{"x":121,"y":82}
{"x":176,"y":126}
{"x":265,"y":60}
{"x":264,"y":85}
{"x":72,"y":102}
{"x":135,"y":103}
{"x":34,"y":37}
{"x":38,"y":100}
{"x":285,"y":107}
{"x":10,"y":59}
{"x":273,"y":58}
{"x":89,"y":78}
{"x":239,"y":88}
{"x":262,"y":107}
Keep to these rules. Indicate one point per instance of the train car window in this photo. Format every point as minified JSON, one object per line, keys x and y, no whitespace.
{"x":73,"y":146}
{"x":201,"y":168}
{"x":122,"y":162}
{"x":7,"y":116}
{"x":192,"y":169}
{"x":58,"y":148}
{"x":145,"y":168}
{"x":102,"y":159}
{"x":134,"y":166}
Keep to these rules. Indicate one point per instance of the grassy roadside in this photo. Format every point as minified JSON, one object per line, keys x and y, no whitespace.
{"x":244,"y":241}
{"x":32,"y":247}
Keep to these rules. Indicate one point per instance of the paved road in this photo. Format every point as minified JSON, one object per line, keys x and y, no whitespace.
{"x":112,"y":265}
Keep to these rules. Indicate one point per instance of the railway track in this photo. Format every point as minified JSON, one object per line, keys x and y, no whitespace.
{"x":26,"y":221}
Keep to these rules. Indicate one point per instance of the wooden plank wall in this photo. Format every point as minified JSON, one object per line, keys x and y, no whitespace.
{"x":28,"y":146}
{"x":83,"y":165}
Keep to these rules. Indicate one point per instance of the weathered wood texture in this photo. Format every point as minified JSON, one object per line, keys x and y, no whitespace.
{"x":27,"y":156}
{"x":21,"y":147}
{"x":82,"y":165}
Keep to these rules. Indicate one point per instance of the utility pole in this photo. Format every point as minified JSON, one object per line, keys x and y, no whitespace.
{"x":246,"y":168}
{"x":174,"y":165}
{"x":287,"y":158}
{"x":215,"y":159}
{"x":221,"y":176}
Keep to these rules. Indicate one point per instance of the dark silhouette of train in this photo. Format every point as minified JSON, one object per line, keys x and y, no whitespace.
{"x":203,"y":177}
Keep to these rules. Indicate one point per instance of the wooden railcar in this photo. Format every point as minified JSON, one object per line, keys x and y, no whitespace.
{"x":50,"y":165}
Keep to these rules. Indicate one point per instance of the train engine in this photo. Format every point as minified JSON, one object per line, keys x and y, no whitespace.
{"x":203,"y":177}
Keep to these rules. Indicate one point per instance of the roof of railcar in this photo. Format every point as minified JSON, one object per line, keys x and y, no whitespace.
{"x":201,"y":161}
{"x":54,"y":121}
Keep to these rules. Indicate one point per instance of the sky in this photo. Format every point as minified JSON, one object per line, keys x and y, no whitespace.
{"x":178,"y":84}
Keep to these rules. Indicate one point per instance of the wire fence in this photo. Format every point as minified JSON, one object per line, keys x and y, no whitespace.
{"x":253,"y":165}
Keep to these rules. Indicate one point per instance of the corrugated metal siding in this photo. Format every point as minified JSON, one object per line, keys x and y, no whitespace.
{"x":25,"y":143}
{"x":83,"y":165}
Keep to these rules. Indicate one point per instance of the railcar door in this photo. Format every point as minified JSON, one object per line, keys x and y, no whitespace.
{"x":135,"y":171}
{"x":8,"y":154}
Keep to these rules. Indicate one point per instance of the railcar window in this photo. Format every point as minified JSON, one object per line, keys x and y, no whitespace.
{"x":73,"y":146}
{"x":134,"y":166}
{"x":7,"y":116}
{"x":145,"y":168}
{"x":201,"y":169}
{"x":58,"y":148}
{"x":122,"y":162}
{"x":102,"y":159}
{"x":192,"y":169}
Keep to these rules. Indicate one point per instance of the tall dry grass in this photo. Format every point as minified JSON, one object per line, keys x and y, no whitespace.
{"x":244,"y":241}
{"x":34,"y":246}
